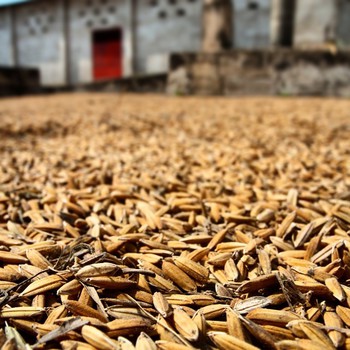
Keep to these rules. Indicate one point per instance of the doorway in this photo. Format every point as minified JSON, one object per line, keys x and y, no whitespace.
{"x":107,"y":54}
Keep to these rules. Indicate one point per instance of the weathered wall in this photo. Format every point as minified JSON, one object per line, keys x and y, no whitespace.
{"x":175,"y":26}
{"x":232,"y":72}
{"x":281,"y":72}
{"x":41,"y":42}
{"x":315,"y":22}
{"x":85,"y":16}
{"x":40,"y":39}
{"x":6,"y":56}
{"x":166,"y":26}
{"x":17,"y":81}
{"x":162,"y":27}
{"x":343,"y":24}
{"x":252,"y":23}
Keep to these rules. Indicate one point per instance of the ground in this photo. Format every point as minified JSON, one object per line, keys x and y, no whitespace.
{"x":206,"y":222}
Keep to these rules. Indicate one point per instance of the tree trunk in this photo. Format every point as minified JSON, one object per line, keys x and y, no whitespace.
{"x":217,"y":25}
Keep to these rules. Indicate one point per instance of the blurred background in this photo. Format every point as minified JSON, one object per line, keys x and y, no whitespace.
{"x":181,"y":46}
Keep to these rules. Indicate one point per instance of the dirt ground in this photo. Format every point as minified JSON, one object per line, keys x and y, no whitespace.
{"x":247,"y":199}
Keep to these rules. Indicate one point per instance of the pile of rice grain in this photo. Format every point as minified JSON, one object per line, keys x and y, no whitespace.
{"x":151,"y":222}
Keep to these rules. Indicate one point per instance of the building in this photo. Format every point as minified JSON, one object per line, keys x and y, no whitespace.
{"x":80,"y":41}
{"x":70,"y":40}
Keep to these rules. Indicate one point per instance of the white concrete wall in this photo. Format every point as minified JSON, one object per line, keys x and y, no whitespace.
{"x":343,"y":25}
{"x":163,"y":27}
{"x":89,"y":15}
{"x":252,"y":23}
{"x":315,"y":22}
{"x":6,"y":53}
{"x":39,"y":27}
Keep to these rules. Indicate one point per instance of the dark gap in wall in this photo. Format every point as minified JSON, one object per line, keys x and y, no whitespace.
{"x":162,"y":15}
{"x":224,"y":40}
{"x":253,"y":5}
{"x":153,"y":3}
{"x":287,"y":28}
{"x":181,"y":12}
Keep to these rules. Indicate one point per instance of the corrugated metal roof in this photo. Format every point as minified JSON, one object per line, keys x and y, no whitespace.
{"x":12,"y":2}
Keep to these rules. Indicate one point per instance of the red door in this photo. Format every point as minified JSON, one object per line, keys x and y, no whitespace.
{"x":107,"y":54}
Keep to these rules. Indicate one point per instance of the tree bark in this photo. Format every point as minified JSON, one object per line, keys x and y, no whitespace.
{"x":217,"y":24}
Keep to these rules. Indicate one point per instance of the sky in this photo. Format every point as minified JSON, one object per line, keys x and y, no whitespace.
{"x":7,"y":2}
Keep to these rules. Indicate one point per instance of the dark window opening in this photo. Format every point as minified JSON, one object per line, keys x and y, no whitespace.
{"x":153,"y":3}
{"x":162,"y":15}
{"x":181,"y":12}
{"x":253,"y":5}
{"x":287,"y":23}
{"x":172,"y":2}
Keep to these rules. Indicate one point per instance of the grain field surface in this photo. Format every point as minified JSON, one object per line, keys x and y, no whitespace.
{"x":150,"y":222}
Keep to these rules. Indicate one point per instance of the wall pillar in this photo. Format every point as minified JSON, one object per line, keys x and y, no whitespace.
{"x":14,"y":38}
{"x":67,"y":42}
{"x":133,"y":31}
{"x":217,"y":19}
